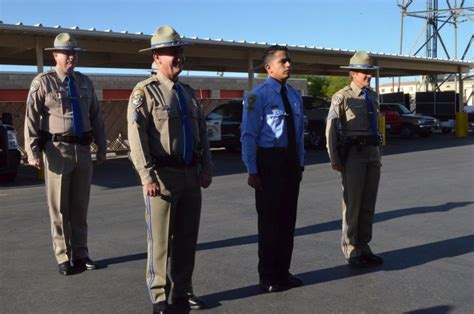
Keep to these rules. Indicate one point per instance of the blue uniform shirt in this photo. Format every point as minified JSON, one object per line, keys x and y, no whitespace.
{"x":263,"y":121}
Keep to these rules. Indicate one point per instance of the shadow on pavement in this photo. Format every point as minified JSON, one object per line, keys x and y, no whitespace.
{"x":302,"y":231}
{"x":394,"y":261}
{"x":440,"y":309}
{"x":336,"y":224}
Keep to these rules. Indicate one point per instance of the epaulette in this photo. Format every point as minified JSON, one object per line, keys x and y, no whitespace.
{"x":144,"y":83}
{"x":44,"y":74}
{"x":259,"y":87}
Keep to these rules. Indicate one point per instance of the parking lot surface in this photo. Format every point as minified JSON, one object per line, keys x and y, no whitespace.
{"x":424,"y":229}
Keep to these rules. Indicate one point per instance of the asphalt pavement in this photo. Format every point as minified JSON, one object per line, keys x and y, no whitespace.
{"x":424,"y":229}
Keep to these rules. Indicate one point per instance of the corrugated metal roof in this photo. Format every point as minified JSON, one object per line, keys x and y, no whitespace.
{"x":307,"y":59}
{"x":58,"y":27}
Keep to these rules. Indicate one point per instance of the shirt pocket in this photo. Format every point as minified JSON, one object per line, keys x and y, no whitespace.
{"x":167,"y":124}
{"x":356,"y":116}
{"x":296,"y":110}
{"x":194,"y":113}
{"x":54,"y":102}
{"x":275,"y":120}
{"x":85,"y":96}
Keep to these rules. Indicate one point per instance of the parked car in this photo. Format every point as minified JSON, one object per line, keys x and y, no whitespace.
{"x":10,"y":155}
{"x":316,"y":111}
{"x":400,"y":121}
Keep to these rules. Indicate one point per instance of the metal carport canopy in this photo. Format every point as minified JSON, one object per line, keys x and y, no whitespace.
{"x":24,"y":45}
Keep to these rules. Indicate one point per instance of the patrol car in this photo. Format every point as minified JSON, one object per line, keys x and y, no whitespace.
{"x":223,"y":125}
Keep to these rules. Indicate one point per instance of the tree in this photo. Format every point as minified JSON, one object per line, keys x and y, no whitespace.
{"x":320,"y":85}
{"x":335,"y":83}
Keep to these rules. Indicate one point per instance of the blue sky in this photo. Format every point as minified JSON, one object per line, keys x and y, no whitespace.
{"x":372,"y":25}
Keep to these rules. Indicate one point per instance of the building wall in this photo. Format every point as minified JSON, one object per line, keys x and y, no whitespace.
{"x":15,"y":86}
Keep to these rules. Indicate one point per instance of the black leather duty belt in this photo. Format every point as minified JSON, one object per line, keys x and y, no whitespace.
{"x":365,"y":140}
{"x":86,"y":138}
{"x":174,"y":161}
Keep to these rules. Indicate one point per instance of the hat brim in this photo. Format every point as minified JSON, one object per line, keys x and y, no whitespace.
{"x":361,"y":68}
{"x":66,"y":48}
{"x":168,"y":44}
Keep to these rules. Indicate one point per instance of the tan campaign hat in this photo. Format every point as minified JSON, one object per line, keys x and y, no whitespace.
{"x":65,"y":41}
{"x":361,"y":61}
{"x":165,"y":36}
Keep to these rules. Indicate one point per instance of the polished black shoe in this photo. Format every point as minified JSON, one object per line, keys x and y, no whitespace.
{"x":65,"y":268}
{"x":373,"y":259}
{"x":357,"y":262}
{"x":85,"y":263}
{"x":190,"y":301}
{"x":267,"y":286}
{"x":291,"y":282}
{"x":160,"y":307}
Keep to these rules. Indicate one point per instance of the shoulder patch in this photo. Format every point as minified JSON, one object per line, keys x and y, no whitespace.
{"x":250,"y":101}
{"x":35,"y":85}
{"x":337,"y":100}
{"x":138,"y":98}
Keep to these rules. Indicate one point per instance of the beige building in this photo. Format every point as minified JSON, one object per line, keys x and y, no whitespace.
{"x":418,"y":86}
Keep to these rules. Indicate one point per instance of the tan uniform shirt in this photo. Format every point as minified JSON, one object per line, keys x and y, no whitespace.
{"x":49,"y":109}
{"x":155,"y":127}
{"x":348,"y":115}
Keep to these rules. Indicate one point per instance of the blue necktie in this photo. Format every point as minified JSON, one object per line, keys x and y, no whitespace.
{"x":76,"y":109}
{"x":188,"y":140}
{"x":371,"y":112}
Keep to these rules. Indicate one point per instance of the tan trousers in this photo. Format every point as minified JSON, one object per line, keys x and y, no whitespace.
{"x":172,"y":228}
{"x":360,"y":181}
{"x":68,"y":176}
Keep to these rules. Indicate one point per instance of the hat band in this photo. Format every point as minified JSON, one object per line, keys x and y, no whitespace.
{"x":361,"y":66}
{"x":67,"y":47}
{"x":171,"y":43}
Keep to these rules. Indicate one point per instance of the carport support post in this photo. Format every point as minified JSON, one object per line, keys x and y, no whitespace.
{"x":377,"y":73}
{"x":250,"y":74}
{"x":461,"y":116}
{"x":39,"y":56}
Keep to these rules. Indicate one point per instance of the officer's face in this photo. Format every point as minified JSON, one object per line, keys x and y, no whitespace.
{"x":361,"y":78}
{"x":170,"y":61}
{"x":279,"y":67}
{"x":65,"y":60}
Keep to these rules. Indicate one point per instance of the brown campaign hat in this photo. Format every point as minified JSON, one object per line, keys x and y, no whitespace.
{"x":166,"y":36}
{"x":65,"y":41}
{"x":361,"y":60}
